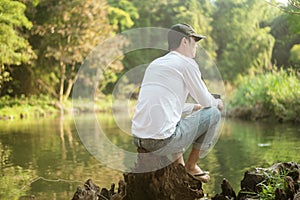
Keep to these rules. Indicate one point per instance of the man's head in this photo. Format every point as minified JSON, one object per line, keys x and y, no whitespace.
{"x":182,"y":37}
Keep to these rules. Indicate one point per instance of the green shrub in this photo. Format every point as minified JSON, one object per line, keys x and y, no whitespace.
{"x":31,"y":106}
{"x":274,"y":92}
{"x":271,"y":183}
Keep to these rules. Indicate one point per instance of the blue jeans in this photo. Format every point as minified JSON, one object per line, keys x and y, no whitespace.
{"x":198,"y":129}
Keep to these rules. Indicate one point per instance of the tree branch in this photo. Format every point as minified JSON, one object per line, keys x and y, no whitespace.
{"x":284,"y":9}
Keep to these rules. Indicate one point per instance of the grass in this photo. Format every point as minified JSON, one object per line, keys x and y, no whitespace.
{"x":44,"y":106}
{"x":33,"y":106}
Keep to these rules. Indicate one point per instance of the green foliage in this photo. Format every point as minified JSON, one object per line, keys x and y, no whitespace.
{"x":284,"y":40}
{"x":67,"y":35}
{"x":243,"y":43}
{"x":294,"y":23}
{"x":14,"y":48}
{"x":271,"y":183}
{"x":122,"y":14}
{"x":276,"y":92}
{"x":243,"y":36}
{"x":199,"y":15}
{"x":12,"y":179}
{"x":33,"y":106}
{"x":164,"y":14}
{"x":295,"y":56}
{"x":36,"y":106}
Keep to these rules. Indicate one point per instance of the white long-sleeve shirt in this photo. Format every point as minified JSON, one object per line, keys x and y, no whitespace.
{"x":167,"y":82}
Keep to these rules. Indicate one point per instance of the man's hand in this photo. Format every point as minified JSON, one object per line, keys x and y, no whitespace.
{"x":220,"y":105}
{"x":197,"y":107}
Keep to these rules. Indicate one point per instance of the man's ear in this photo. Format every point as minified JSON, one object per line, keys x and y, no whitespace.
{"x":183,"y":41}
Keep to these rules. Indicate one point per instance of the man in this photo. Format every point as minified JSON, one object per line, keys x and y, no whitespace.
{"x":158,"y":125}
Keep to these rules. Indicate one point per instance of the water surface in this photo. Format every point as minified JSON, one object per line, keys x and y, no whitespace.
{"x":46,"y":158}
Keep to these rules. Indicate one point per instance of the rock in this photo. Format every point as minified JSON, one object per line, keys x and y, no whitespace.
{"x":297,"y":196}
{"x":227,"y":192}
{"x":280,"y":194}
{"x":278,"y":176}
{"x":88,"y":192}
{"x":6,"y":117}
{"x":286,"y":174}
{"x":251,"y":181}
{"x":290,"y":187}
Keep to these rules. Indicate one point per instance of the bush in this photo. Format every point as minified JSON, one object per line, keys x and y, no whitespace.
{"x":273,"y":94}
{"x":26,"y":106}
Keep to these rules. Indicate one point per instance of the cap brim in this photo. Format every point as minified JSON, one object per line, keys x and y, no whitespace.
{"x":198,"y":37}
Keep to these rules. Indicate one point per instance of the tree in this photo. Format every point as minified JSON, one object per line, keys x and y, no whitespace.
{"x":285,"y":39}
{"x":198,"y":13}
{"x":295,"y":56}
{"x":67,"y":32}
{"x":14,"y":47}
{"x":164,"y":14}
{"x":286,"y":31}
{"x":242,"y":35}
{"x":122,"y":14}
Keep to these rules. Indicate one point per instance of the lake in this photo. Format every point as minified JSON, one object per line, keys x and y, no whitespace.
{"x":46,"y":158}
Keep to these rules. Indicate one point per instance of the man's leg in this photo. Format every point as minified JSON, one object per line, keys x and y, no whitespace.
{"x":193,"y":168}
{"x":201,"y":145}
{"x":198,"y":129}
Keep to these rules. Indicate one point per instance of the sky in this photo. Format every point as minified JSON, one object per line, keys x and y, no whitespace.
{"x":282,"y":1}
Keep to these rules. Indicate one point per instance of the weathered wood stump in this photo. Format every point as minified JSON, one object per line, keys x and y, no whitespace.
{"x":278,"y":182}
{"x":227,"y":191}
{"x":169,"y":182}
{"x":90,"y":191}
{"x":283,"y":177}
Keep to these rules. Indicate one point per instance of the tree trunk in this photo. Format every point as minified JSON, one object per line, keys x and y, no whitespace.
{"x":71,"y":80}
{"x":61,"y":87}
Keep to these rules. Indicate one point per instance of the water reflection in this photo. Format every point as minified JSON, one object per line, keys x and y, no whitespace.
{"x":46,"y":157}
{"x":240,"y":148}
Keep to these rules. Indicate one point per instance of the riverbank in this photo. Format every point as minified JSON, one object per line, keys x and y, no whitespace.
{"x":270,"y":96}
{"x":45,"y":106}
{"x":273,"y":96}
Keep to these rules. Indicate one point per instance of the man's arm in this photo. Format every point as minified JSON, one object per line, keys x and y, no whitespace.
{"x":197,"y":88}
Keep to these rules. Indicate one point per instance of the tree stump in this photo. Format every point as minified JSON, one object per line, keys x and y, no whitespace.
{"x":171,"y":182}
{"x":167,"y":183}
